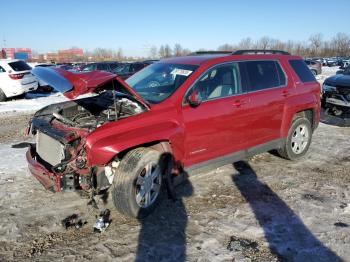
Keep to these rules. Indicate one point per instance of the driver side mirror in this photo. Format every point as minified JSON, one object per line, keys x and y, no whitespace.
{"x":194,"y":99}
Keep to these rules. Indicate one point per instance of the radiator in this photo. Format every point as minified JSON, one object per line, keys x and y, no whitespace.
{"x":49,"y":149}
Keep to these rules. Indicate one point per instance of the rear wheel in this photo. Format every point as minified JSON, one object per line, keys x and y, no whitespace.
{"x":137,"y":185}
{"x":298,"y":140}
{"x":2,"y":96}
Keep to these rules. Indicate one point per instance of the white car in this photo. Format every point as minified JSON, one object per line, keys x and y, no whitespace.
{"x":15,"y":78}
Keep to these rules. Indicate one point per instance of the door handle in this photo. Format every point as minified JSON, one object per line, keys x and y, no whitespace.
{"x":239,"y":103}
{"x":285,"y":93}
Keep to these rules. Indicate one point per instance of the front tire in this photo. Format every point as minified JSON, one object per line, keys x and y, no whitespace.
{"x":2,"y":96}
{"x":298,"y":140}
{"x":137,"y":185}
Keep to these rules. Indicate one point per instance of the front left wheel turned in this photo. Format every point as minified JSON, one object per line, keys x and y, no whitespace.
{"x":138,"y":184}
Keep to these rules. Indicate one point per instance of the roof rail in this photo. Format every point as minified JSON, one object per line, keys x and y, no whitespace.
{"x":210,"y":52}
{"x":259,"y":51}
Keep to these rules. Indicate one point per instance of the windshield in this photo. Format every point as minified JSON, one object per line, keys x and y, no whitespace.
{"x":158,"y":81}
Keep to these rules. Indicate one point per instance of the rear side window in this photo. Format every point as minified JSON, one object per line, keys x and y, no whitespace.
{"x":303,"y":72}
{"x":264,"y":74}
{"x":102,"y":67}
{"x":19,"y":66}
{"x":2,"y":70}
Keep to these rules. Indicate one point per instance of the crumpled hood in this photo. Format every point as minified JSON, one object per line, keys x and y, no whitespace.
{"x":338,"y":80}
{"x":75,"y":84}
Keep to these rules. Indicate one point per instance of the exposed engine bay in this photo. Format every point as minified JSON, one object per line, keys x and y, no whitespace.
{"x":92,"y":112}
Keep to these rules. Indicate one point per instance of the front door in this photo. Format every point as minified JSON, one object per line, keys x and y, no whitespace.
{"x":217,"y":126}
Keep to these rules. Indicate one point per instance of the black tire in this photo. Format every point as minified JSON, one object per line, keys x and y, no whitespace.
{"x":2,"y":96}
{"x":125,"y":188}
{"x":287,"y":151}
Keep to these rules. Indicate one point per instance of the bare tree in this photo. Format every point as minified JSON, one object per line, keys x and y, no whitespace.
{"x":178,"y":50}
{"x":315,"y":43}
{"x":225,"y":47}
{"x":264,"y":42}
{"x":153,"y":52}
{"x":161,"y":51}
{"x":120,"y":55}
{"x":341,"y":44}
{"x":167,"y":51}
{"x":245,"y":43}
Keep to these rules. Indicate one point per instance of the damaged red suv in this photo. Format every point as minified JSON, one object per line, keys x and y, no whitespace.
{"x":174,"y":117}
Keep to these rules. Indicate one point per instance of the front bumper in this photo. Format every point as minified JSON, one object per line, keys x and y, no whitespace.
{"x":51,"y":181}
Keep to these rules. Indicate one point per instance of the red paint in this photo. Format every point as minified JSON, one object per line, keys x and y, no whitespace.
{"x":196,"y":134}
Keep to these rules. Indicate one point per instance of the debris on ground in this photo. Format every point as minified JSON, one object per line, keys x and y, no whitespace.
{"x":73,"y":221}
{"x":341,"y":224}
{"x":102,"y":221}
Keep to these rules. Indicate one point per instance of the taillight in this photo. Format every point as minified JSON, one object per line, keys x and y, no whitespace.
{"x":16,"y":76}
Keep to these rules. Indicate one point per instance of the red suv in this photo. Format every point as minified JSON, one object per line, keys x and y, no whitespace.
{"x":175,"y":116}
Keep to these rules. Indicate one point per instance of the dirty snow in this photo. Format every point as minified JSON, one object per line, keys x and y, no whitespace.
{"x":30,"y":104}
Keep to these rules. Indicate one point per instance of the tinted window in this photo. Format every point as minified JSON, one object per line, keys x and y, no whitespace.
{"x":303,"y":72}
{"x":2,"y":70}
{"x":19,"y":66}
{"x":264,"y":75}
{"x":137,"y":67}
{"x":102,"y":67}
{"x":89,"y":67}
{"x":221,"y":81}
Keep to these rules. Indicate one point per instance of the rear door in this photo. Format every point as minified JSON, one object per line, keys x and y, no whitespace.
{"x":217,"y":127}
{"x":268,"y":89}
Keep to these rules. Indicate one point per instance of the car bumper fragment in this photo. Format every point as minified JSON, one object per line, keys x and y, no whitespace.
{"x":49,"y":180}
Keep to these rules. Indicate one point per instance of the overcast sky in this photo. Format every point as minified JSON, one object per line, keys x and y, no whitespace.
{"x":137,"y":25}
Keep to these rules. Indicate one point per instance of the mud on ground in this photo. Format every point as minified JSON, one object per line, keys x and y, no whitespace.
{"x":264,"y":209}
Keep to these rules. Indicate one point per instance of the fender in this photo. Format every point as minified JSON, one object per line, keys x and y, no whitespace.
{"x":109,"y":140}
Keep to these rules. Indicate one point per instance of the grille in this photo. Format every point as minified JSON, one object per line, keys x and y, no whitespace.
{"x":49,"y":149}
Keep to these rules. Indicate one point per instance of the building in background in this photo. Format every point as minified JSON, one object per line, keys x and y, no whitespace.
{"x":70,"y":55}
{"x":17,"y":53}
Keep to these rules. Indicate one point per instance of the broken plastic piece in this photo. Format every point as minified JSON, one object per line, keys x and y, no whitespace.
{"x":102,"y":221}
{"x":73,"y":221}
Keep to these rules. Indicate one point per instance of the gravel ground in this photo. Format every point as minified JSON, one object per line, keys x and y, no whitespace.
{"x":264,"y":209}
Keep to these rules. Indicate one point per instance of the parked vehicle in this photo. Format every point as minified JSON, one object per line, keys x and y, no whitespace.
{"x":15,"y":78}
{"x":331,"y":62}
{"x":42,"y":86}
{"x":336,"y":93}
{"x":100,"y":66}
{"x":314,"y":66}
{"x":139,"y":139}
{"x":126,"y":70}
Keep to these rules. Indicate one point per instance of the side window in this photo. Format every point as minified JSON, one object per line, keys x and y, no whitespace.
{"x":303,"y":72}
{"x":102,"y":67}
{"x":264,"y":74}
{"x":2,"y":70}
{"x":221,"y":81}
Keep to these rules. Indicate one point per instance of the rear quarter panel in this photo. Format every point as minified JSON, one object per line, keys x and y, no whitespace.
{"x":305,"y":96}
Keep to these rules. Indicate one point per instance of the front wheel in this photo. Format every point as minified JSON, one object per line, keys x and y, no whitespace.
{"x":2,"y":96}
{"x":298,"y":140}
{"x":137,"y":185}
